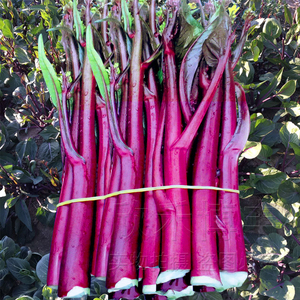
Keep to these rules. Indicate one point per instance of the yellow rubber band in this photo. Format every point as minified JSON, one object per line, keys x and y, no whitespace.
{"x":148,"y":189}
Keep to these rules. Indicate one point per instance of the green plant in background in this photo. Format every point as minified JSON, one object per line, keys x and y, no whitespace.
{"x":269,"y":165}
{"x":22,"y":272}
{"x":30,"y":159}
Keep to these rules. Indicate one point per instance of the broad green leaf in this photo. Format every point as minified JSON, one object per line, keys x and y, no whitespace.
{"x":296,"y":282}
{"x":260,"y":128}
{"x":287,"y":90}
{"x":49,"y":132}
{"x":8,"y":247}
{"x":272,"y":28}
{"x":21,"y":270}
{"x":27,"y":147}
{"x":269,"y":180}
{"x":7,"y":28}
{"x":293,"y":108}
{"x":49,"y":150}
{"x":25,"y":298}
{"x":264,"y":94}
{"x":256,"y":53}
{"x":276,"y":214}
{"x":246,"y":191}
{"x":269,"y":285}
{"x":96,"y":62}
{"x":271,"y":248}
{"x":265,"y":152}
{"x":252,"y":150}
{"x":49,"y":73}
{"x":4,"y":210}
{"x":289,"y":192}
{"x":23,"y":213}
{"x":22,"y":56}
{"x":288,"y":15}
{"x":42,"y":268}
{"x":289,"y":133}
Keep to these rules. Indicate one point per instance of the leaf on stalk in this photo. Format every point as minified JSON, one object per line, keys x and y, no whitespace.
{"x":96,"y":62}
{"x":22,"y":56}
{"x":264,"y":94}
{"x":27,"y":147}
{"x":287,"y":90}
{"x":296,"y":149}
{"x":276,"y":214}
{"x":288,"y":15}
{"x":271,"y":248}
{"x":270,"y":287}
{"x":49,"y":150}
{"x":293,"y":108}
{"x":289,"y":192}
{"x":272,"y":28}
{"x":296,"y":282}
{"x":78,"y":22}
{"x":20,"y":269}
{"x":289,"y":133}
{"x":23,"y":213}
{"x":6,"y":28}
{"x":42,"y":268}
{"x":49,"y":73}
{"x":246,"y":191}
{"x":252,"y":150}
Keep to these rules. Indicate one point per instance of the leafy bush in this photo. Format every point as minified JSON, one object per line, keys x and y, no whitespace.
{"x":22,"y":272}
{"x":30,"y":160}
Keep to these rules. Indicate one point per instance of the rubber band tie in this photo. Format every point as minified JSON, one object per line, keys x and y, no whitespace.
{"x":147,"y":189}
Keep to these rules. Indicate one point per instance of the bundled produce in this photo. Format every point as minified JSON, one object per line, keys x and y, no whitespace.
{"x":152,"y":124}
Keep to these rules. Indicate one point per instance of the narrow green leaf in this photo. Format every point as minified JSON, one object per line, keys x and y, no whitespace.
{"x":287,"y":90}
{"x":127,"y":18}
{"x":96,"y":62}
{"x":48,"y":73}
{"x":78,"y":22}
{"x":288,"y":15}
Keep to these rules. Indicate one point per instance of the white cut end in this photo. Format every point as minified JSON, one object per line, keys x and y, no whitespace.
{"x":231,"y":279}
{"x":171,"y":294}
{"x":206,"y":280}
{"x":78,"y":292}
{"x":124,"y":284}
{"x":170,"y":274}
{"x":149,"y":289}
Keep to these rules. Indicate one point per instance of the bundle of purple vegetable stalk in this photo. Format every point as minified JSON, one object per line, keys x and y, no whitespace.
{"x":149,"y":102}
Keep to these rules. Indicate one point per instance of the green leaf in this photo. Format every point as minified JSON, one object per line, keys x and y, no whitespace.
{"x":49,"y":73}
{"x":127,"y":17}
{"x":260,"y":128}
{"x":270,"y":180}
{"x":271,"y":248}
{"x":22,"y":56}
{"x":7,"y":28}
{"x":27,"y":147}
{"x":288,"y":15}
{"x":50,"y":132}
{"x":78,"y":22}
{"x":25,"y":298}
{"x":246,"y":191}
{"x":265,"y":152}
{"x":296,"y":149}
{"x":287,"y":90}
{"x":276,"y":214}
{"x":252,"y":150}
{"x":96,"y":63}
{"x":288,"y":133}
{"x":42,"y":268}
{"x":4,"y":210}
{"x":20,"y":269}
{"x":270,"y":287}
{"x":23,"y":213}
{"x":293,"y":108}
{"x":289,"y":192}
{"x":8,"y":247}
{"x":296,"y":282}
{"x":272,"y":28}
{"x":264,"y":94}
{"x":49,"y":150}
